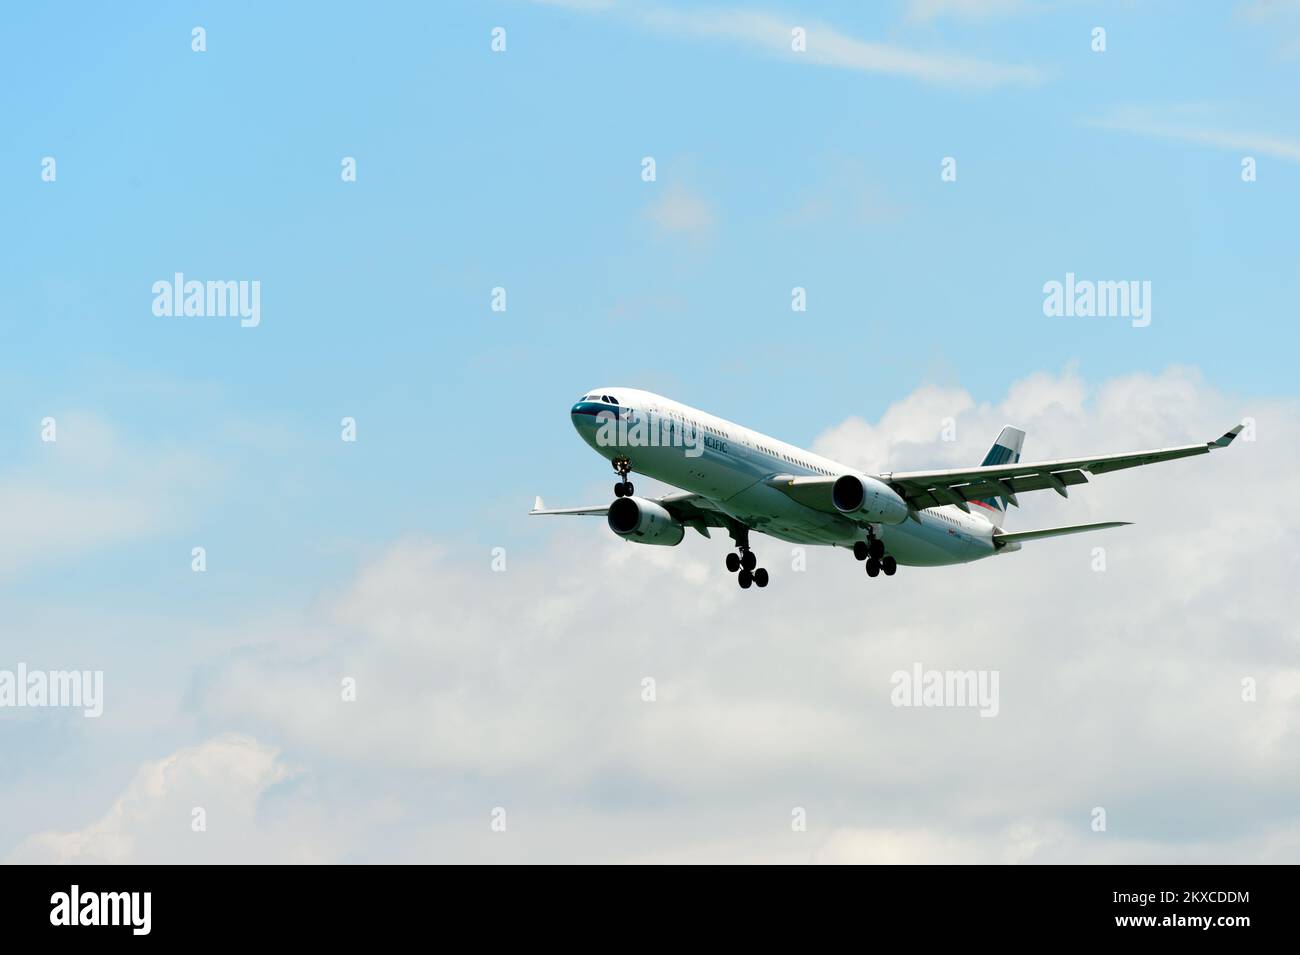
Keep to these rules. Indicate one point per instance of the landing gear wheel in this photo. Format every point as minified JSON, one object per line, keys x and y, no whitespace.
{"x":743,"y":564}
{"x":889,"y":566}
{"x":627,"y":488}
{"x":860,"y":550}
{"x":620,"y":489}
{"x":873,"y":567}
{"x":876,"y":548}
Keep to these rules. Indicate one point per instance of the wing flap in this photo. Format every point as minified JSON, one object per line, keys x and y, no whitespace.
{"x":922,"y":494}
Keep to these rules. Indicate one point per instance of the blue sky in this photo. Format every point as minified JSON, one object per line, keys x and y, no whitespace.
{"x":522,"y":170}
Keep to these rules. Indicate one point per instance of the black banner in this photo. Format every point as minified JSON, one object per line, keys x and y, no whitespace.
{"x":1222,"y":905}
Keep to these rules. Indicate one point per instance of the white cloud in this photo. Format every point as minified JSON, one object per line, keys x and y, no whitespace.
{"x":826,"y":46}
{"x":678,"y":211}
{"x":848,"y":193}
{"x":521,"y":689}
{"x":1281,"y":18}
{"x":1166,"y":124}
{"x":85,"y":491}
{"x":583,"y":5}
{"x":152,"y":819}
{"x":924,"y":11}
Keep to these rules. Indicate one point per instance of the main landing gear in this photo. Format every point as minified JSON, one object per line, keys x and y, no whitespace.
{"x":624,"y":487}
{"x":872,"y":550}
{"x":745,"y":565}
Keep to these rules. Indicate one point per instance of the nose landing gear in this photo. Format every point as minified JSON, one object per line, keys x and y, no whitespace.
{"x":624,"y":487}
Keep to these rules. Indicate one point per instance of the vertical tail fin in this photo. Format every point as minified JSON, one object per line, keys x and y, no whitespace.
{"x":1006,"y":450}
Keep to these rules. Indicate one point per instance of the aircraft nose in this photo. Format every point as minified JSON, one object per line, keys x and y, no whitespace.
{"x":587,"y":416}
{"x":583,"y":413}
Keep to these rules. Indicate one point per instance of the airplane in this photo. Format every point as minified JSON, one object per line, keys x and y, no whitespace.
{"x":739,"y":480}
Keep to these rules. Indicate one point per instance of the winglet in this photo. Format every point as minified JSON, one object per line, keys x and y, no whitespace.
{"x":1227,"y":437}
{"x":538,"y":505}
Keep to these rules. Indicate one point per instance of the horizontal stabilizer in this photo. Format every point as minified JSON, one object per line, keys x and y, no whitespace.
{"x":539,"y":507}
{"x":691,"y":509}
{"x":1055,"y":532}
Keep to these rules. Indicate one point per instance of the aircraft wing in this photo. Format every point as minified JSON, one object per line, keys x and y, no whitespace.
{"x":693,"y":510}
{"x":923,"y":489}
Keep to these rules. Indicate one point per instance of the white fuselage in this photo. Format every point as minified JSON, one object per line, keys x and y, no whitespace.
{"x":728,"y":464}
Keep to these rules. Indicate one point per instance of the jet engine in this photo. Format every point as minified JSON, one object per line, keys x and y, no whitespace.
{"x":645,"y":522}
{"x":865,"y":497}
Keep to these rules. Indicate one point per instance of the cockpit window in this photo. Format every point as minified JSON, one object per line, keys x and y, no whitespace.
{"x":613,"y":400}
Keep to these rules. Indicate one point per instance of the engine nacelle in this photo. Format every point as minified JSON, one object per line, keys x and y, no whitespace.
{"x":868,"y":498}
{"x":645,"y":522}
